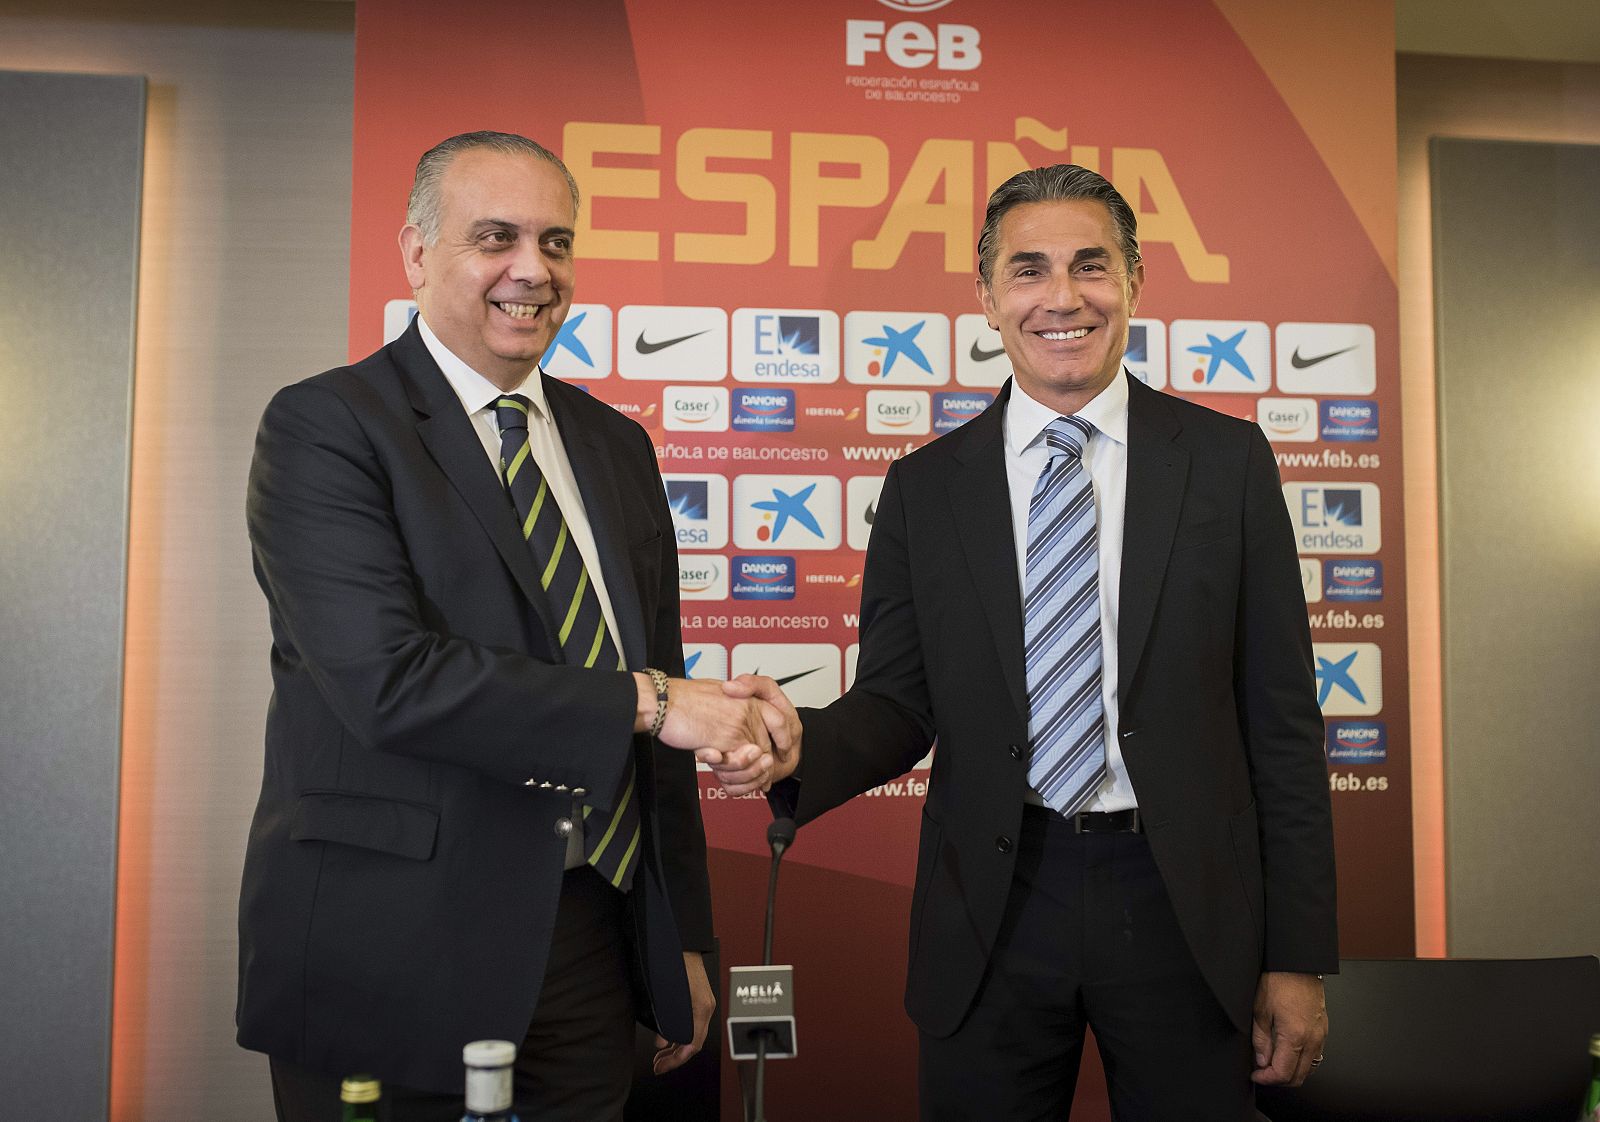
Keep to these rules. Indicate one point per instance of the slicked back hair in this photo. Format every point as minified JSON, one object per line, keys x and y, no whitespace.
{"x":1058,"y":183}
{"x":422,"y":208}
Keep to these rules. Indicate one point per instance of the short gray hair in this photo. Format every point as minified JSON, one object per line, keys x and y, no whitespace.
{"x":1058,"y":183}
{"x":422,"y":208}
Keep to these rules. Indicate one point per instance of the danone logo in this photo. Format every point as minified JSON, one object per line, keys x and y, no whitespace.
{"x":1354,"y":419}
{"x":763,"y":578}
{"x":763,"y":410}
{"x":1357,"y":742}
{"x":1353,"y":580}
{"x":952,"y":410}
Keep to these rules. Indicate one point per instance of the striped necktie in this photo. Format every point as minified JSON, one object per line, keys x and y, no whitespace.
{"x":610,"y":838}
{"x":1061,"y":626}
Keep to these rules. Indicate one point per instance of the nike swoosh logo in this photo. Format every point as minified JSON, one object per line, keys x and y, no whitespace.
{"x":872,"y":512}
{"x":651,"y":348}
{"x":1301,"y":363}
{"x":981,"y":355}
{"x":791,"y":677}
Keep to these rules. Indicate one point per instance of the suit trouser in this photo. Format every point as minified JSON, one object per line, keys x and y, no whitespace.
{"x":1089,"y":938}
{"x":576,"y":1061}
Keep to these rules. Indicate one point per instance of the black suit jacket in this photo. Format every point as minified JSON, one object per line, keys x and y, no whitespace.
{"x":1220,"y":728}
{"x":402,"y":875}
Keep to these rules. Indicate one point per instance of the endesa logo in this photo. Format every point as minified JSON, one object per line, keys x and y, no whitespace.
{"x":763,"y":578}
{"x":699,"y":506}
{"x":1335,"y":517}
{"x":763,"y":410}
{"x":1357,"y":742}
{"x":1350,"y":419}
{"x":952,"y":410}
{"x":1353,"y":580}
{"x":794,"y":345}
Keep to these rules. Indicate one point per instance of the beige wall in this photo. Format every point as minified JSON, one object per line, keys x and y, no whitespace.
{"x":1464,"y":97}
{"x":242,"y":288}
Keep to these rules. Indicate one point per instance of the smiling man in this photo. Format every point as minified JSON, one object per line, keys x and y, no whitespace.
{"x":467,"y":828}
{"x":1089,"y":595}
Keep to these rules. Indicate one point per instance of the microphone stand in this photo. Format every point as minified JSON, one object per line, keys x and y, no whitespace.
{"x":779,"y":836}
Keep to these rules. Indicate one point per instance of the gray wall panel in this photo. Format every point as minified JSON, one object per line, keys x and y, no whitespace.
{"x":1517,"y":268}
{"x":69,"y":224}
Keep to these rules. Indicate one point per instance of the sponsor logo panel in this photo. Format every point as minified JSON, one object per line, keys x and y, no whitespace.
{"x":861,"y":507}
{"x":952,"y":410}
{"x":397,"y":316}
{"x":980,"y":359}
{"x":1349,"y":678}
{"x":702,"y":576}
{"x":896,"y":412}
{"x":793,"y":512}
{"x":705,"y":660}
{"x":1311,"y":579}
{"x":1221,"y":356}
{"x":582,"y":348}
{"x":797,"y":346}
{"x":763,"y":410}
{"x":1326,"y":358}
{"x":809,"y":673}
{"x":763,"y":577}
{"x":1358,"y":742}
{"x":699,"y":509}
{"x":1288,"y":420}
{"x":897,"y":348}
{"x":1335,"y":517}
{"x":1353,"y":579}
{"x":1146,"y":356}
{"x":694,"y":409}
{"x":672,"y":344}
{"x":1350,"y":419}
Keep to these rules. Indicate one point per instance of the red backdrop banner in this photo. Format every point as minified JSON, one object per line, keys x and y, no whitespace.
{"x":775,"y":278}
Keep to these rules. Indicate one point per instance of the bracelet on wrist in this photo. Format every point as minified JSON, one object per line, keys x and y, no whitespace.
{"x":659,"y":680}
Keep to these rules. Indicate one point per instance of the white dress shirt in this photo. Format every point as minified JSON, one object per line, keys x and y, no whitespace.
{"x":1107,"y":461}
{"x":478,"y":396}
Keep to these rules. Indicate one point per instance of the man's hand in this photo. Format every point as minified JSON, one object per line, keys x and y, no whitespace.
{"x":703,"y":719}
{"x":1289,"y":1029}
{"x":704,"y":1000}
{"x":744,"y":771}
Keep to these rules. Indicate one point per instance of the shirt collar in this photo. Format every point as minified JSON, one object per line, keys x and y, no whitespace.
{"x":475,"y":391}
{"x":1026,"y":419}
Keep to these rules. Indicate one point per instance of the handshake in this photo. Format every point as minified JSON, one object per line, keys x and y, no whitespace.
{"x":744,"y":729}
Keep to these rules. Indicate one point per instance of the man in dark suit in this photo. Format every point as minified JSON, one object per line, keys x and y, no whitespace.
{"x":1089,"y":595}
{"x":466,"y":828}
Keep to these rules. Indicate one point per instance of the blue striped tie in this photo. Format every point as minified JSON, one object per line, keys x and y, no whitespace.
{"x":1061,"y":626}
{"x":610,"y":838}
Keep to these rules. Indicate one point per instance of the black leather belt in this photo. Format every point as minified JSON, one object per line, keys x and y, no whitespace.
{"x":1107,"y":822}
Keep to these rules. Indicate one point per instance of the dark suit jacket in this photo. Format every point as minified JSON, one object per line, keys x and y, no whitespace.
{"x":401,"y":880}
{"x":1220,"y":728}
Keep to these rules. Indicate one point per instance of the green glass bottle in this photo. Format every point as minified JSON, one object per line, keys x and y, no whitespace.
{"x":1591,"y":1101}
{"x":359,"y":1095}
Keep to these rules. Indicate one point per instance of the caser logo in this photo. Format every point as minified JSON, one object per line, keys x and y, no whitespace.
{"x":911,"y":45}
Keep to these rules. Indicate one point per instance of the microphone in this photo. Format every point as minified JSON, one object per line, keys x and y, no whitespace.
{"x":760,"y":1016}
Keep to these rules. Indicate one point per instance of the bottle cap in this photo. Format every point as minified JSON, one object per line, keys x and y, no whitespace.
{"x":360,"y":1089}
{"x":489,"y":1053}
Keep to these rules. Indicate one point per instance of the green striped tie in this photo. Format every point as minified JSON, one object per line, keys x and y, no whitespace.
{"x":610,"y":839}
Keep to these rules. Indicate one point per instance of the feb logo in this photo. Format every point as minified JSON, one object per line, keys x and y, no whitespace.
{"x":911,"y":45}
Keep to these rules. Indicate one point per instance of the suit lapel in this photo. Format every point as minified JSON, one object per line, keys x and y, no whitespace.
{"x":980,"y":499}
{"x":446,"y":431}
{"x":1158,"y":471}
{"x":596,"y":476}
